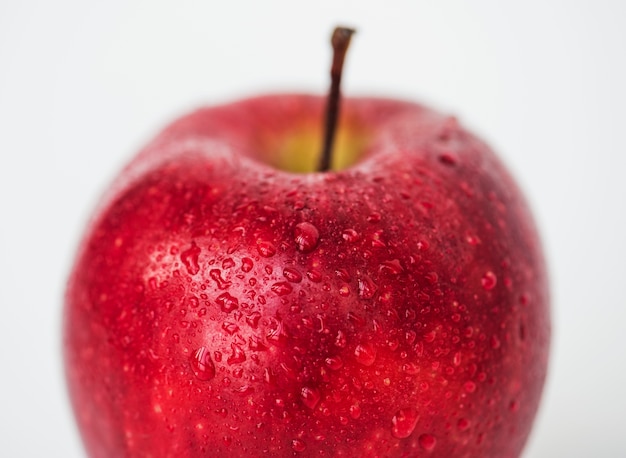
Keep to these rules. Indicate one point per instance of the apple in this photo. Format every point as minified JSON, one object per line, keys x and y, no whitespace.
{"x":233,"y":298}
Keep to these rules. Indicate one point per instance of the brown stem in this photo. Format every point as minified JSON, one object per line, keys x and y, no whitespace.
{"x":340,"y":42}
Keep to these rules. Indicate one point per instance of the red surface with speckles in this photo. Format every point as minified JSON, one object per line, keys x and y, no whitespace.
{"x":222,"y":307}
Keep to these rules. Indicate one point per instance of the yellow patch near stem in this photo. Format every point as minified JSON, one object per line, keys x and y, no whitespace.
{"x":300,"y":152}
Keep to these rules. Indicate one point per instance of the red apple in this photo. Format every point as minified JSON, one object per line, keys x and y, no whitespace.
{"x":230,"y":301}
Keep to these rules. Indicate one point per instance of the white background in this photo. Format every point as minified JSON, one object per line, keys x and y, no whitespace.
{"x":83,"y":85}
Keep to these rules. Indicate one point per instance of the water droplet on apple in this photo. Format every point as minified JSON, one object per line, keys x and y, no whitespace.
{"x":265,"y":248}
{"x":355,"y":411}
{"x":228,"y":263}
{"x":334,"y":363}
{"x":427,"y":441}
{"x":246,"y":264}
{"x":469,"y":386}
{"x":489,"y":280}
{"x":432,"y":277}
{"x":392,"y":267}
{"x":227,"y":302}
{"x":367,"y":288}
{"x":255,"y":344}
{"x":365,"y":354}
{"x":237,"y":355}
{"x":310,"y":396}
{"x":472,"y":239}
{"x":350,"y":235}
{"x":298,"y":445}
{"x":314,"y":275}
{"x":202,"y":365}
{"x":292,"y":275}
{"x":340,"y":340}
{"x":276,"y":332}
{"x":230,"y":327}
{"x":403,"y":423}
{"x":374,"y":217}
{"x":306,"y":237}
{"x":447,"y":159}
{"x":463,"y":424}
{"x":216,"y":275}
{"x":253,"y":319}
{"x":190,"y":259}
{"x":281,"y":288}
{"x":193,"y":302}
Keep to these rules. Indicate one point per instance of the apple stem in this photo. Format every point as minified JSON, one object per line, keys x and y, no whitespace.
{"x":340,"y":41}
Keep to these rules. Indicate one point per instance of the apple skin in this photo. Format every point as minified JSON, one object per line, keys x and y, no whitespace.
{"x":221,"y":306}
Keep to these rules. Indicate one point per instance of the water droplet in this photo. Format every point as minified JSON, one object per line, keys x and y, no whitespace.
{"x":237,"y":355}
{"x":298,"y":445}
{"x":427,"y":441}
{"x":489,"y":280}
{"x":365,"y":354}
{"x":392,"y":267}
{"x":432,"y":277}
{"x":447,"y":159}
{"x":246,"y":264}
{"x":356,"y":319}
{"x":292,"y":275}
{"x":314,"y":275}
{"x":514,"y":406}
{"x":310,"y":396}
{"x":230,"y":327}
{"x":255,"y":344}
{"x":472,"y":239}
{"x":276,"y":332}
{"x":355,"y":411}
{"x":462,"y":424}
{"x":469,"y":386}
{"x":367,"y":288}
{"x":253,"y":319}
{"x":430,"y":336}
{"x":190,"y":259}
{"x":202,"y":365}
{"x":243,"y":390}
{"x":494,"y":342}
{"x":227,"y":302}
{"x":281,"y":288}
{"x":228,"y":263}
{"x":193,"y":302}
{"x":265,"y":248}
{"x":374,"y":217}
{"x":306,"y":237}
{"x":340,"y":340}
{"x":334,"y":363}
{"x":403,"y":423}
{"x":350,"y":235}
{"x":216,"y":275}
